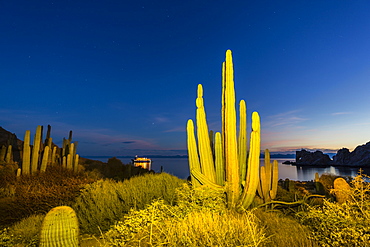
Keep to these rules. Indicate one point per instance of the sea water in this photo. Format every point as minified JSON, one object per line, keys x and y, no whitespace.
{"x":179,"y":167}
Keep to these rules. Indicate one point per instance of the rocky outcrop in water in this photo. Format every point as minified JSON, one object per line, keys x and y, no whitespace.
{"x":358,"y":157}
{"x":316,"y":158}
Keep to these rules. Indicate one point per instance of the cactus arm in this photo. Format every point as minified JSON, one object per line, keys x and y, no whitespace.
{"x":192,"y":152}
{"x":253,"y":165}
{"x":26,"y":158}
{"x":45,"y":159}
{"x":264,"y":185}
{"x":75,"y":165}
{"x":242,"y":141}
{"x":36,"y":149}
{"x":219,"y":160}
{"x":53,"y":155}
{"x":205,"y":151}
{"x":9,"y":154}
{"x":204,"y":180}
{"x":231,"y":149}
{"x":274,"y":180}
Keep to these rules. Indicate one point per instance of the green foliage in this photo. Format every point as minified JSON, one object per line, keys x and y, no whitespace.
{"x":201,"y":198}
{"x":102,"y":203}
{"x":278,"y":228}
{"x":198,"y":219}
{"x":346,"y":224}
{"x":25,"y":232}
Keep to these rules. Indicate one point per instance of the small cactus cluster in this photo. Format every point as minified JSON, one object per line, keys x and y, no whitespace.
{"x":269,"y":176}
{"x":41,"y":154}
{"x":221,"y":161}
{"x":60,"y":228}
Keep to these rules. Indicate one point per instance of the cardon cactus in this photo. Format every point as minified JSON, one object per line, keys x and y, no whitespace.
{"x":228,"y":170}
{"x":269,"y":176}
{"x":60,"y":228}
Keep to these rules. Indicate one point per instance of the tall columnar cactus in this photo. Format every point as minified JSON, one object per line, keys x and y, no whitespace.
{"x":36,"y":150}
{"x":26,"y":158}
{"x":9,"y":155}
{"x":60,"y":228}
{"x":269,"y":176}
{"x":228,"y":170}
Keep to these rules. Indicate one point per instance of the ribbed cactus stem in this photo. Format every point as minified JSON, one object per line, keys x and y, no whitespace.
{"x":204,"y":144}
{"x":60,"y":228}
{"x":2,"y":153}
{"x":9,"y":155}
{"x":231,"y":148}
{"x":242,"y":141}
{"x":36,"y":149}
{"x":192,"y":152}
{"x":45,"y":159}
{"x":253,"y":165}
{"x":53,"y":155}
{"x":274,"y":179}
{"x":75,"y":165}
{"x":219,"y":160}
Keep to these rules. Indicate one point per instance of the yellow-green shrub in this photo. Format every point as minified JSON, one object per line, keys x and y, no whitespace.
{"x":102,"y":203}
{"x":346,"y":224}
{"x":23,"y":233}
{"x":205,"y":223}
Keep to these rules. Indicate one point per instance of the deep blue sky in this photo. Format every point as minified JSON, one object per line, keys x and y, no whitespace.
{"x":123,"y":74}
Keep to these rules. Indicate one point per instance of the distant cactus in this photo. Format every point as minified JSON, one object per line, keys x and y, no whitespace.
{"x":342,"y":190}
{"x":60,"y":228}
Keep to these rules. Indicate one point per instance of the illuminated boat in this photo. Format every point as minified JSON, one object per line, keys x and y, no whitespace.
{"x":145,"y":163}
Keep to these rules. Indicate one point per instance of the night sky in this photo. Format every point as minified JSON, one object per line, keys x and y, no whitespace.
{"x":123,"y":74}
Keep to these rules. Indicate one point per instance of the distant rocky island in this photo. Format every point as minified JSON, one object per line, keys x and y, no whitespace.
{"x":359,"y":157}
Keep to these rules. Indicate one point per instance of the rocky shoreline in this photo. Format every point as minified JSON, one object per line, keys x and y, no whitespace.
{"x":359,"y":157}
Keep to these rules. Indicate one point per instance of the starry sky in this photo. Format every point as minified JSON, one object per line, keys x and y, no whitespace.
{"x":123,"y":74}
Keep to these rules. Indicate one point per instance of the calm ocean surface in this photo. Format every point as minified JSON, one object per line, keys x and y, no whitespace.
{"x":179,"y":168}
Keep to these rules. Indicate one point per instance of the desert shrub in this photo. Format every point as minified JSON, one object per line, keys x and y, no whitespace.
{"x":102,"y":203}
{"x":7,"y":174}
{"x":203,"y":223}
{"x":278,"y":228}
{"x":26,"y":231}
{"x":346,"y":224}
{"x":38,"y":193}
{"x":190,"y":199}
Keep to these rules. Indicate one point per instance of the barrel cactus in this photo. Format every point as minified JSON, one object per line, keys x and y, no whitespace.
{"x":60,"y":228}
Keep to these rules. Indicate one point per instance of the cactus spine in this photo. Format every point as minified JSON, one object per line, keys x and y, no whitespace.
{"x":60,"y":228}
{"x":230,"y":152}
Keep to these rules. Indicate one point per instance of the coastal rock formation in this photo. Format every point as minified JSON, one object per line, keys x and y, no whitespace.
{"x":305,"y":157}
{"x":358,"y":157}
